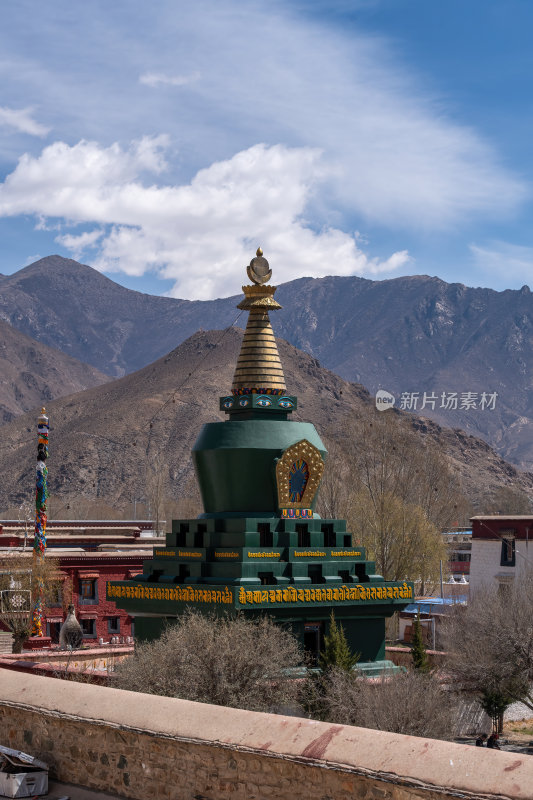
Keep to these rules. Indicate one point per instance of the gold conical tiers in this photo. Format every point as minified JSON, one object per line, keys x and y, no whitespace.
{"x":259,"y":366}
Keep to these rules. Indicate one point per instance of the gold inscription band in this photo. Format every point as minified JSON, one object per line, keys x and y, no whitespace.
{"x":339,"y":593}
{"x":255,"y":597}
{"x":182,"y":594}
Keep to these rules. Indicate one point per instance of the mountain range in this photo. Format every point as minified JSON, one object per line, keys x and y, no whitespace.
{"x":103,"y":440}
{"x":31,"y":373}
{"x":409,"y":336}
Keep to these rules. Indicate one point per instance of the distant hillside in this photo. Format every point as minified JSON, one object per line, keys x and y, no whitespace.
{"x":101,"y":439}
{"x":32,"y":373}
{"x":408,"y":335}
{"x":76,"y":309}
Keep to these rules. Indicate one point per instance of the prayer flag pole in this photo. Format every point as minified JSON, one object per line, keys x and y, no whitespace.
{"x":39,"y":542}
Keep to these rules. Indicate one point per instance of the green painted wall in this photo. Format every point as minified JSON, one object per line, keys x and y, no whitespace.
{"x":235,"y":462}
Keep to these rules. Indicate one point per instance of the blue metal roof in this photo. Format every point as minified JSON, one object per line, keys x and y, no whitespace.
{"x":427,"y":605}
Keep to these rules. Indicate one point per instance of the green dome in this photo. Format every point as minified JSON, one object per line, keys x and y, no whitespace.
{"x":235,"y":463}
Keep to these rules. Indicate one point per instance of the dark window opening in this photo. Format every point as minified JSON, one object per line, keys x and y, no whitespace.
{"x":199,"y":536}
{"x":113,"y":625}
{"x":153,"y":577}
{"x":266,"y":578}
{"x":504,"y":589}
{"x":88,"y":627}
{"x":314,"y":571}
{"x":508,"y":552}
{"x":181,"y":537}
{"x":345,"y":576}
{"x":330,"y":537}
{"x":313,"y":642}
{"x":184,"y":572}
{"x":266,"y":537}
{"x":347,"y":540}
{"x":304,"y":537}
{"x":53,"y":631}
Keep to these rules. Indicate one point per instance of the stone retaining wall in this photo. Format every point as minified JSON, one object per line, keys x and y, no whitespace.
{"x":141,"y":746}
{"x":94,"y":657}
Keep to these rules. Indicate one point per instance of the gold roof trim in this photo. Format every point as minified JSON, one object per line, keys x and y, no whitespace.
{"x":258,"y":297}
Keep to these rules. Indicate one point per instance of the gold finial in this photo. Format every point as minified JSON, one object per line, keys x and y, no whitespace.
{"x":43,"y":410}
{"x":258,"y":269}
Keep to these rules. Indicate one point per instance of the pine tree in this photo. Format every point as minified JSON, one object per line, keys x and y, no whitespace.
{"x":495,"y":703}
{"x":418,"y":653}
{"x":336,"y":652}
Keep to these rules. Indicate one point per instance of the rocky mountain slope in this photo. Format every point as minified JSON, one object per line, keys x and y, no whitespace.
{"x":103,"y":440}
{"x":32,"y":374}
{"x":76,"y":309}
{"x":411,"y":336}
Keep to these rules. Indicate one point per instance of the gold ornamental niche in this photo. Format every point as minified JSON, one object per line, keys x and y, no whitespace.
{"x":298,"y":475}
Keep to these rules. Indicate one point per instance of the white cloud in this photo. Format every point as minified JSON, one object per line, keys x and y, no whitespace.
{"x":399,"y":156}
{"x":31,"y":259}
{"x":160,"y":79}
{"x":21,"y":120}
{"x":505,"y":260}
{"x":199,"y":234}
{"x":78,"y":243}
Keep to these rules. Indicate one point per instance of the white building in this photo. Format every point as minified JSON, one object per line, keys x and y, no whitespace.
{"x":501,"y":549}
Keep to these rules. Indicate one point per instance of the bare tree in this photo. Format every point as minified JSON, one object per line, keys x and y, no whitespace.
{"x":155,"y":491}
{"x":221,"y":660}
{"x":404,"y":543}
{"x":391,"y":459}
{"x":26,"y":516}
{"x":20,"y":576}
{"x":336,"y":485}
{"x":490,"y":643}
{"x":397,"y":494}
{"x":412,"y":703}
{"x":509,"y":500}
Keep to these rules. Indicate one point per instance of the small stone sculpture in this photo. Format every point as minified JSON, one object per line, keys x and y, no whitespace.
{"x":71,"y":634}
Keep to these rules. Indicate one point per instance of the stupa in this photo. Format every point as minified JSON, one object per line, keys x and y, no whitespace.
{"x":260,"y":547}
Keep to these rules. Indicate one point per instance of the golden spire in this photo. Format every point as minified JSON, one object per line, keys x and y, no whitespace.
{"x":258,"y":366}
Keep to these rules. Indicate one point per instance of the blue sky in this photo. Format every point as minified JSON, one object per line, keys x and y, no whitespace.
{"x":161,"y":143}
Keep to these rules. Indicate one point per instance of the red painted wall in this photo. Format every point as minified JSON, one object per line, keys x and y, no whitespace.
{"x":106,"y":568}
{"x":490,"y":527}
{"x":459,"y":566}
